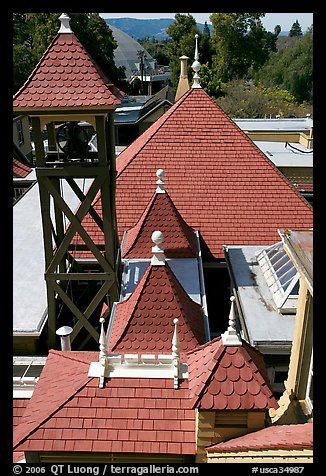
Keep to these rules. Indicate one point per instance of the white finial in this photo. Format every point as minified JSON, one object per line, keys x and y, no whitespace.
{"x":196,"y":66}
{"x":160,"y":184}
{"x":158,"y":250}
{"x":103,"y":353}
{"x":230,"y":336}
{"x":175,"y":355}
{"x":65,"y":26}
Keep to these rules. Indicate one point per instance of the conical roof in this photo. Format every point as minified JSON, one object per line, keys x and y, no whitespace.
{"x":161,"y":214}
{"x":144,"y":321}
{"x":66,"y":77}
{"x":227,"y":377}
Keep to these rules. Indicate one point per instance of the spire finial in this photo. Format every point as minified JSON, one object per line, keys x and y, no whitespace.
{"x":160,"y":184}
{"x":230,"y":336}
{"x":196,"y":66}
{"x":65,"y":26}
{"x":103,"y":353}
{"x":158,"y":250}
{"x":175,"y":354}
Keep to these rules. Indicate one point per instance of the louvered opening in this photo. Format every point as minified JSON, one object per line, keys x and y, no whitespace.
{"x":231,"y":419}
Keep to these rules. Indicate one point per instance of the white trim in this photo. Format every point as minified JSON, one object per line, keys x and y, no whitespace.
{"x":134,"y":366}
{"x":280,"y":275}
{"x":202,"y":288}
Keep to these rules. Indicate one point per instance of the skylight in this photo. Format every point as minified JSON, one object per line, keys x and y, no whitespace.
{"x":281,"y":277}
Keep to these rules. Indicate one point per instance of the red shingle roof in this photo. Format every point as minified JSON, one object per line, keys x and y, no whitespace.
{"x":220,"y":182}
{"x":274,"y":437}
{"x":161,"y":214}
{"x":20,"y":170}
{"x":66,"y":76}
{"x":144,"y":321}
{"x":128,"y":415}
{"x":228,"y":378}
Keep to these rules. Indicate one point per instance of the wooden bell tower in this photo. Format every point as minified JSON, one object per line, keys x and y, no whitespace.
{"x":65,"y":91}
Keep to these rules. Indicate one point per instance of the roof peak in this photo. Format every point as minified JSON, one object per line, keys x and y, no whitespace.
{"x":196,"y":66}
{"x":65,"y":25}
{"x":160,"y":184}
{"x":158,"y":258}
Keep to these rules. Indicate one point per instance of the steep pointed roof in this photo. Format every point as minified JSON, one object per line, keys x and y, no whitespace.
{"x":161,"y":214}
{"x":144,"y":321}
{"x":223,"y":377}
{"x":219,"y":180}
{"x":66,"y":77}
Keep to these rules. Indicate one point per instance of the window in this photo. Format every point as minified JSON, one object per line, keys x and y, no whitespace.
{"x":20,"y":131}
{"x":231,"y":419}
{"x":281,"y":277}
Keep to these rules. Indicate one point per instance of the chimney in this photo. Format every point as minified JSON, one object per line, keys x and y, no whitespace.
{"x":183,"y":85}
{"x":64,"y":333}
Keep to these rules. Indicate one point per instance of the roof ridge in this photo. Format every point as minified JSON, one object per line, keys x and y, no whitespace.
{"x":209,"y":373}
{"x":135,"y":295}
{"x":139,"y":224}
{"x":135,"y":233}
{"x":148,"y":134}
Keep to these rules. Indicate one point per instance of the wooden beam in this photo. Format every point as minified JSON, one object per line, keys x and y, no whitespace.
{"x":74,"y":309}
{"x":75,"y":225}
{"x":82,"y":276}
{"x":82,"y":197}
{"x":104,"y":289}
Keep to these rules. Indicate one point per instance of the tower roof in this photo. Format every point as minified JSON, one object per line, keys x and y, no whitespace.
{"x":67,"y":77}
{"x":144,"y":321}
{"x":161,"y":214}
{"x":228,"y":377}
{"x":219,"y":180}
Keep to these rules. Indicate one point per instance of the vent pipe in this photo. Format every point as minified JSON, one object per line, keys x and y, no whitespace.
{"x":64,"y":333}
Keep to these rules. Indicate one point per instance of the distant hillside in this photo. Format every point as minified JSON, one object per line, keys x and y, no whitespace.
{"x":139,"y":29}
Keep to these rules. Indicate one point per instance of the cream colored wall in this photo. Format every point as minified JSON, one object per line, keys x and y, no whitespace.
{"x":292,"y":404}
{"x":208,"y":433}
{"x":262,"y":456}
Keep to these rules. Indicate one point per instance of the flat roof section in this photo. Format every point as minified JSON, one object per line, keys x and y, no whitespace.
{"x":284,"y":154}
{"x":267,"y":328}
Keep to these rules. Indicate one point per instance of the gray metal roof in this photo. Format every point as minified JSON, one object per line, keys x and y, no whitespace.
{"x":280,"y":124}
{"x":29,"y":288}
{"x":126,"y":54}
{"x":284,"y":154}
{"x":267,"y":329}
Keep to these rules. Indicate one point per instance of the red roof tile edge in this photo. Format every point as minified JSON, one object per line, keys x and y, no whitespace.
{"x":295,"y":436}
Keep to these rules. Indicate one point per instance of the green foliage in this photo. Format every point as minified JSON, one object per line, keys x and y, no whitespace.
{"x":182,"y":32}
{"x":291,"y":68}
{"x":242,"y":99}
{"x":295,"y":29}
{"x":210,"y":83}
{"x":33,"y":33}
{"x":157,"y":49}
{"x":241,"y":44}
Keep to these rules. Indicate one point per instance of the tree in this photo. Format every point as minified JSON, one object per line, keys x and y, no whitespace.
{"x":277,"y":29}
{"x":33,"y":32}
{"x":182,"y":32}
{"x":240,"y":43}
{"x":295,"y":29}
{"x":291,"y":68}
{"x":259,"y":101}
